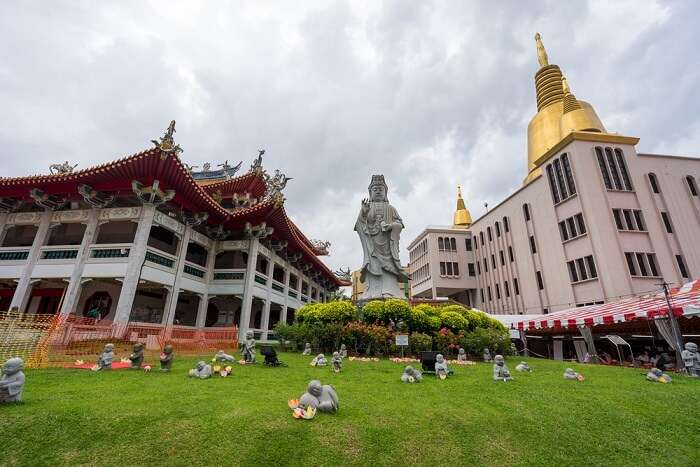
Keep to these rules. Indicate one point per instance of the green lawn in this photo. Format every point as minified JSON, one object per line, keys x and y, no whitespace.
{"x":131,"y":418}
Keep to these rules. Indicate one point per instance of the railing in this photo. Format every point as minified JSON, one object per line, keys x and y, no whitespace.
{"x":229,"y":275}
{"x":110,"y":251}
{"x":304,"y":298}
{"x":293,"y":294}
{"x":260,"y":279}
{"x":277,"y":287}
{"x":14,"y":255}
{"x":59,"y":252}
{"x":193,"y":271}
{"x":160,"y":258}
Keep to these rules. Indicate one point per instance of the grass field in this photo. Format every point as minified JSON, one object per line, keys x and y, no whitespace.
{"x":131,"y":418}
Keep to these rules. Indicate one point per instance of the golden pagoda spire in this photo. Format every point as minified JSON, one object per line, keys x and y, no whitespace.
{"x":570,"y":102}
{"x":462,"y":217}
{"x":541,"y":53}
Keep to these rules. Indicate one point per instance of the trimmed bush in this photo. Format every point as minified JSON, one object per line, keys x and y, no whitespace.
{"x":455,"y":321}
{"x":395,"y":309}
{"x":373,"y":311}
{"x":339,"y":311}
{"x":420,"y":342}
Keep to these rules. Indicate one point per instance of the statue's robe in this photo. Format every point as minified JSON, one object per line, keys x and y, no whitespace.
{"x":380,"y":249}
{"x":500,"y":372}
{"x":11,"y":387}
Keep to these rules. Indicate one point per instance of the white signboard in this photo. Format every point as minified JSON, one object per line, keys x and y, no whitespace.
{"x":401,"y":339}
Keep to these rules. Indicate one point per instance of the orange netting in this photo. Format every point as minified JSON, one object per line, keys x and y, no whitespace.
{"x":50,"y":340}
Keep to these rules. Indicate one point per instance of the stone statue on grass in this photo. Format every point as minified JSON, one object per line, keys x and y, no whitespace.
{"x":658,"y":376}
{"x":569,"y":373}
{"x":343,"y":351}
{"x":319,"y":360}
{"x":337,"y":362}
{"x":441,"y":369}
{"x":166,"y":358}
{"x":523,"y":367}
{"x":12,"y":380}
{"x":249,"y":348}
{"x":307,"y":349}
{"x":223,"y":357}
{"x":500,"y":370}
{"x":136,"y":356}
{"x":379,"y":228}
{"x":105,"y":359}
{"x":201,"y":371}
{"x":461,"y":355}
{"x":411,"y":375}
{"x":487,"y":355}
{"x":691,"y":359}
{"x":321,"y":397}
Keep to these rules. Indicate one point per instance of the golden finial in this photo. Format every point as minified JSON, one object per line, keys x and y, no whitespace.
{"x":565,"y":85}
{"x":462,"y":217}
{"x":541,"y":53}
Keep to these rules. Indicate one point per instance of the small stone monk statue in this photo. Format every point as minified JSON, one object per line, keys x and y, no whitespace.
{"x":411,"y":375}
{"x":105,"y":359}
{"x":307,"y":349}
{"x":337,"y":362}
{"x":487,"y":355}
{"x":222,"y":356}
{"x":658,"y":376}
{"x":461,"y":355}
{"x":249,"y":348}
{"x":500,"y":370}
{"x":441,"y":369}
{"x":201,"y":371}
{"x":136,"y":356}
{"x":323,"y":398}
{"x":523,"y":367}
{"x":691,"y":359}
{"x":343,"y":351}
{"x":569,"y":373}
{"x":166,"y":358}
{"x":12,"y":380}
{"x":319,"y":360}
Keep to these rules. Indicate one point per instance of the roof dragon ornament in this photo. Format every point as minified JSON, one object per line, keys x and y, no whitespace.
{"x":64,"y":168}
{"x":167,"y":143}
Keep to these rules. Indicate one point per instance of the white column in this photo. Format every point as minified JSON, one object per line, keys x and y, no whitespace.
{"x":21,"y":296}
{"x":265,"y":321}
{"x":248,"y":288}
{"x":72,"y":292}
{"x":171,"y":306}
{"x":208,"y":278}
{"x":137,"y":256}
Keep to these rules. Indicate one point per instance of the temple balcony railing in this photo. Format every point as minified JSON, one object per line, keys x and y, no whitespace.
{"x":14,"y":254}
{"x":277,"y":286}
{"x":293,"y":293}
{"x":109,"y":252}
{"x":196,"y":271}
{"x":261,"y":278}
{"x":161,"y":258}
{"x":304,"y":299}
{"x":64,"y":253}
{"x":229,"y":275}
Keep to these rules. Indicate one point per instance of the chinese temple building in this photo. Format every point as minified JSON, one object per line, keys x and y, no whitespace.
{"x":147,"y":239}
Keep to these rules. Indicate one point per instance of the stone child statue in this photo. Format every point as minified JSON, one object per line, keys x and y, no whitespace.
{"x":307,"y":349}
{"x":249,"y":348}
{"x":569,"y":373}
{"x":461,"y":355}
{"x":343,"y":351}
{"x":12,"y":380}
{"x":411,"y":375}
{"x":691,"y":359}
{"x":166,"y":358}
{"x":441,"y":369}
{"x":319,"y":360}
{"x":487,"y":355}
{"x":323,"y":398}
{"x":105,"y":359}
{"x":500,"y":370}
{"x":201,"y":371}
{"x":337,"y":362}
{"x":379,"y":228}
{"x":136,"y":356}
{"x":523,"y":367}
{"x":658,"y":376}
{"x":223,"y":357}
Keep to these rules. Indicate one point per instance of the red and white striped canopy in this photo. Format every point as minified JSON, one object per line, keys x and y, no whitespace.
{"x":645,"y":307}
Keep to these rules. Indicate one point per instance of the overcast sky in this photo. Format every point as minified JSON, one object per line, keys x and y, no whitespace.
{"x":430,"y":94}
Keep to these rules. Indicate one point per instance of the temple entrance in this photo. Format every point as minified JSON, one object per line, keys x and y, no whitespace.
{"x":224,"y":311}
{"x":257,"y":309}
{"x":46,"y":297}
{"x":275,"y":316}
{"x":149,"y":304}
{"x":186,"y":309}
{"x":98,"y":299}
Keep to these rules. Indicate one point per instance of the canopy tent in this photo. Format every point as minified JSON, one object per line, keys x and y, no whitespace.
{"x":685,"y":301}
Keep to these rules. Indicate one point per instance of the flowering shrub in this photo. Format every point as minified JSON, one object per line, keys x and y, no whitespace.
{"x":339,"y":311}
{"x":373,"y":311}
{"x":455,"y":321}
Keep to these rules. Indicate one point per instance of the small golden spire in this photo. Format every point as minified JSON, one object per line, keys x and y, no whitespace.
{"x":541,"y":53}
{"x":462,"y":217}
{"x":565,"y":85}
{"x":570,"y":102}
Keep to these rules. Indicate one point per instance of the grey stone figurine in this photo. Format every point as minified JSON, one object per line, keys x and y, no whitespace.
{"x":320,"y":397}
{"x":461,"y":355}
{"x":658,"y":376}
{"x":136,"y":356}
{"x":411,"y":375}
{"x":223,"y":357}
{"x":307,"y":349}
{"x":487,"y":355}
{"x":441,"y":369}
{"x":249,"y":348}
{"x":337,"y":362}
{"x":12,"y":380}
{"x":343,"y":351}
{"x":105,"y":359}
{"x":569,"y":373}
{"x":319,"y":360}
{"x":166,"y":358}
{"x":523,"y":367}
{"x":691,"y":359}
{"x":201,"y":371}
{"x":500,"y":370}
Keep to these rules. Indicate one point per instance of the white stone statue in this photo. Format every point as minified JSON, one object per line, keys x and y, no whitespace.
{"x":343,"y":351}
{"x":105,"y":359}
{"x":500,"y":370}
{"x":249,"y":348}
{"x":379,"y":227}
{"x":223,"y":357}
{"x":12,"y":380}
{"x":569,"y":373}
{"x":691,"y":359}
{"x":658,"y":376}
{"x":487,"y":355}
{"x":307,"y":349}
{"x":523,"y":367}
{"x":319,"y":360}
{"x":337,"y":362}
{"x":321,"y":397}
{"x":411,"y":375}
{"x":461,"y":355}
{"x":441,"y":369}
{"x":201,"y":371}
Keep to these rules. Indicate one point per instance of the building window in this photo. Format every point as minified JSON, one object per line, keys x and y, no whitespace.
{"x":468,"y":244}
{"x":553,"y":184}
{"x":506,"y":288}
{"x":580,"y":224}
{"x":540,"y":282}
{"x":581,"y":266}
{"x":603,"y":168}
{"x":453,"y":244}
{"x":486,"y":266}
{"x":667,"y":222}
{"x":488,"y":292}
{"x":639,"y":220}
{"x":488,"y":233}
{"x":498,"y":229}
{"x":617,"y":214}
{"x":630,"y":263}
{"x":481,"y":294}
{"x":481,"y":238}
{"x":441,"y":244}
{"x":593,"y":272}
{"x":493,"y":261}
{"x":450,"y":271}
{"x":516,"y":287}
{"x":498,"y":292}
{"x":470,"y":268}
{"x":503,"y":258}
{"x":511,"y":258}
{"x":455,"y":267}
{"x":651,"y":258}
{"x":567,"y":173}
{"x":533,"y":247}
{"x":526,"y":212}
{"x":642,"y":264}
{"x":506,"y":226}
{"x":623,"y":169}
{"x":691,"y":185}
{"x":560,"y":179}
{"x":573,"y":275}
{"x":681,"y":266}
{"x":613,"y":169}
{"x":654,"y":183}
{"x":443,"y":270}
{"x":478,"y":267}
{"x":629,"y":219}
